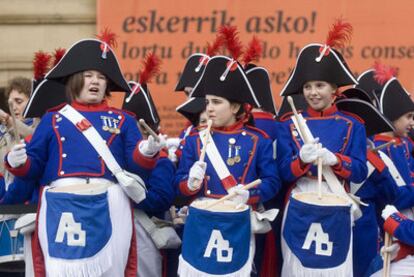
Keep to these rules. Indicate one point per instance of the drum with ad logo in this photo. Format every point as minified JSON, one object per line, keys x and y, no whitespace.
{"x":217,"y":241}
{"x":317,"y":236}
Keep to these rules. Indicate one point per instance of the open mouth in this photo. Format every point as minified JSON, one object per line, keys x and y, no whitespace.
{"x":95,"y":90}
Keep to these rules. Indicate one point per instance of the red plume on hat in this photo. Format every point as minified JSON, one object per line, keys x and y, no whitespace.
{"x":41,"y":64}
{"x":213,"y":48}
{"x":57,"y":55}
{"x":253,"y":51}
{"x":340,"y":34}
{"x":383,"y":73}
{"x":231,"y":40}
{"x":109,"y":38}
{"x":152,"y":66}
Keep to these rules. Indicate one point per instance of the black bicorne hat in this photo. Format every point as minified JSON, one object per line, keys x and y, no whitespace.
{"x":192,"y":108}
{"x":298,"y":100}
{"x":192,"y":71}
{"x":260,"y":82}
{"x":395,"y":101}
{"x":367,"y":82}
{"x":141,"y":104}
{"x":375,"y":122}
{"x":225,"y":77}
{"x":45,"y":95}
{"x":90,"y":54}
{"x":318,"y":62}
{"x":358,"y":93}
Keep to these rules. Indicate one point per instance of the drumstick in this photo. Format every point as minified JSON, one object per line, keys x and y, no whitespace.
{"x":379,"y":147}
{"x":205,"y":140}
{"x":14,"y":122}
{"x":231,"y":195}
{"x":298,"y":119}
{"x":148,"y":129}
{"x":319,"y":174}
{"x":386,"y":266}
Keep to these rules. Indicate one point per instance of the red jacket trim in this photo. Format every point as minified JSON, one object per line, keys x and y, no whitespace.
{"x":339,"y":169}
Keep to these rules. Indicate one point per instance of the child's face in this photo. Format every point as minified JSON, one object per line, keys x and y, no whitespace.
{"x":403,"y":124}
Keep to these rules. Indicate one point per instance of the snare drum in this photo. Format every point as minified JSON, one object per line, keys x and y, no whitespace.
{"x":217,"y":241}
{"x":11,"y":245}
{"x":317,"y":236}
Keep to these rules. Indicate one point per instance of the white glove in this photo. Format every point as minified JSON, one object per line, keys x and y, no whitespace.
{"x":242,"y":195}
{"x":328,"y":158}
{"x":150,"y":146}
{"x":387,"y":211}
{"x":309,"y":151}
{"x":17,"y":155}
{"x":172,"y":156}
{"x":392,"y":249}
{"x":196,"y":175}
{"x":173,"y":142}
{"x":182,"y":215}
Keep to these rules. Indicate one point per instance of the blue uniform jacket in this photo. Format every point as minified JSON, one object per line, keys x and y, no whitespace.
{"x":341,"y":134}
{"x":256,"y":161}
{"x":58,"y":149}
{"x":401,"y":227}
{"x":266,"y":122}
{"x":400,"y":154}
{"x":160,"y":187}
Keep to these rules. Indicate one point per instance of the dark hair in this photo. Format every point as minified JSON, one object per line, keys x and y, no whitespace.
{"x":75,"y":83}
{"x":21,"y":84}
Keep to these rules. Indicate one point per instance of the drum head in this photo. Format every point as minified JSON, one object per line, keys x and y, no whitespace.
{"x":328,"y":199}
{"x":84,"y":189}
{"x":226,"y":206}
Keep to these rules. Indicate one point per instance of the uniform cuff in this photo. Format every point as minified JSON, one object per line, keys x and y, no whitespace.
{"x":343,"y":168}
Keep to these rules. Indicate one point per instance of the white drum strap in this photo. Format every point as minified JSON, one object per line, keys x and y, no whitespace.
{"x":356,"y":186}
{"x":187,"y":131}
{"x":392,"y":168}
{"x":93,"y":137}
{"x":215,"y":157}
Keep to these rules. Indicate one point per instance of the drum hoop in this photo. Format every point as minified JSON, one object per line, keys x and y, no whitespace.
{"x":11,"y":258}
{"x":208,"y":200}
{"x":6,"y":217}
{"x":93,"y":188}
{"x":345,"y":204}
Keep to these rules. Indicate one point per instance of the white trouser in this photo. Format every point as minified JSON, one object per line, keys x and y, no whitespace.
{"x":149,"y":257}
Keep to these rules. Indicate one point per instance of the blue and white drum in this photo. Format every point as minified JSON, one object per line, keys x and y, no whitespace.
{"x":317,"y":236}
{"x":217,"y":242}
{"x":11,"y":245}
{"x":85,"y":229}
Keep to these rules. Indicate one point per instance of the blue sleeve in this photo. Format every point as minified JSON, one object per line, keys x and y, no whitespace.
{"x":18,"y":192}
{"x":188,"y":158}
{"x":287,"y":155}
{"x":405,"y":199}
{"x":38,"y":148}
{"x":161,"y":191}
{"x":405,"y":232}
{"x":130,"y":137}
{"x":267,"y":171}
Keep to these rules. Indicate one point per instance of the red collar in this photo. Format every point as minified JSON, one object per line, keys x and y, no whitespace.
{"x":387,"y":138}
{"x":262,"y":115}
{"x":236,"y":126}
{"x":330,"y":111}
{"x":90,"y":107}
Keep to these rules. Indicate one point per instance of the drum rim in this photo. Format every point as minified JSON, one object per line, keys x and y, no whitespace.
{"x":346,"y":204}
{"x":245,"y":207}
